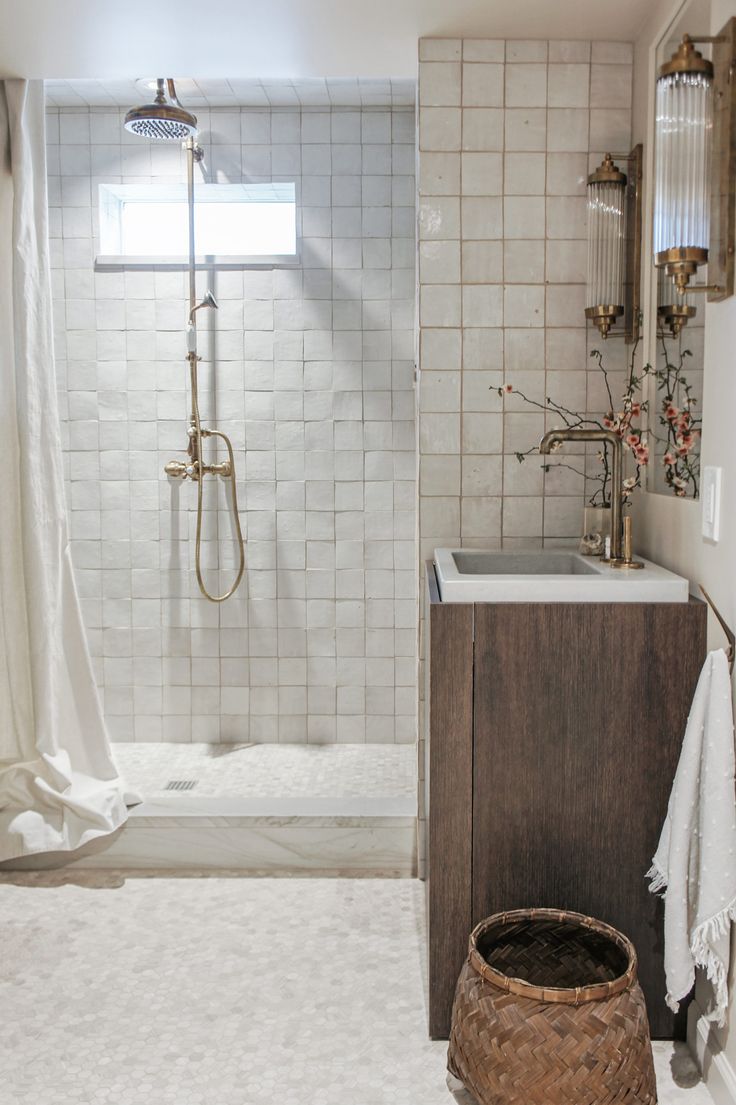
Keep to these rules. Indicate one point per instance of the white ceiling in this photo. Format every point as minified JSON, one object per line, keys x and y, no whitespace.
{"x":202,"y":93}
{"x":277,"y":38}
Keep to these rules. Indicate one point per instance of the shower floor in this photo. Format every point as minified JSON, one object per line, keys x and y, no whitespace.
{"x":267,"y":808}
{"x":269,"y":770}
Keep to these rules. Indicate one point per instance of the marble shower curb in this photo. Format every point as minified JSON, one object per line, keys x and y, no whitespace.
{"x":265,"y":835}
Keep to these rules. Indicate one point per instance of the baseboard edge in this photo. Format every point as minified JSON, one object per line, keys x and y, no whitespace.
{"x":718,"y":1074}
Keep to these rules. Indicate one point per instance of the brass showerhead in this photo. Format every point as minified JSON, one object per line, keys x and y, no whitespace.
{"x":165,"y":119}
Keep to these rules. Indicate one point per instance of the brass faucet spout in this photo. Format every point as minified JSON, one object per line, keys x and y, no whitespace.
{"x":606,"y":437}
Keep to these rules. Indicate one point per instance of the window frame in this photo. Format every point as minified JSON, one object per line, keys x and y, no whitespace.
{"x":111,"y":194}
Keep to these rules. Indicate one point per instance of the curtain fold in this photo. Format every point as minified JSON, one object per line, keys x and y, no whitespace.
{"x":59,"y":787}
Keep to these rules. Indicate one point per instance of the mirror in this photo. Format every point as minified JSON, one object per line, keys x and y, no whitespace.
{"x":675,"y":336}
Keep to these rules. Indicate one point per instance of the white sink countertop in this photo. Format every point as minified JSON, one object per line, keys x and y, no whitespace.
{"x":549,"y":575}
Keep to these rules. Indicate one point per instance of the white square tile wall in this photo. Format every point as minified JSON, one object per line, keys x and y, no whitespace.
{"x":508,"y":132}
{"x":313,"y":380}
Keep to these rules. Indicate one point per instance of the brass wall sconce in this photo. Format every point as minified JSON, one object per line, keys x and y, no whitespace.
{"x":695,"y":153}
{"x":614,"y":245}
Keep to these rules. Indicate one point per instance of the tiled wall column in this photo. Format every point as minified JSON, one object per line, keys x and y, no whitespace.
{"x":508,"y":132}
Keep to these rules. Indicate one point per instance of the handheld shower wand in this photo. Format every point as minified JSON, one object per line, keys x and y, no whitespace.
{"x":166,"y":119}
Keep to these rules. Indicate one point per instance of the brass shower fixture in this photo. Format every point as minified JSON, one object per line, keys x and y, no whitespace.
{"x":165,"y":119}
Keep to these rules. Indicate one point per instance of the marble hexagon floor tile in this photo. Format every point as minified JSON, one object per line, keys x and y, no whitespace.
{"x":213,"y":991}
{"x":265,"y":770}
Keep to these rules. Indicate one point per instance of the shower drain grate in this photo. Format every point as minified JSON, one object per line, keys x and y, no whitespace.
{"x":181,"y":784}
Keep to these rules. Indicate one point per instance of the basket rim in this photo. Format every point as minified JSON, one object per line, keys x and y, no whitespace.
{"x":569,"y":995}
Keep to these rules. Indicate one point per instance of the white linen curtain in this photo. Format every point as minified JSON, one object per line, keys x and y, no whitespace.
{"x":59,"y":787}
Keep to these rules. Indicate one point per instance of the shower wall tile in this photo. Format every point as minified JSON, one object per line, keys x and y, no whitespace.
{"x":312,"y":379}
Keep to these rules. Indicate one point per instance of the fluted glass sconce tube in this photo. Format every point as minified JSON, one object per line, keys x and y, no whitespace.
{"x":604,"y":293}
{"x":683,"y":136}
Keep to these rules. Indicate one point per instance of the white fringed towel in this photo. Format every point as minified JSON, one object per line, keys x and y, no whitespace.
{"x":695,"y":863}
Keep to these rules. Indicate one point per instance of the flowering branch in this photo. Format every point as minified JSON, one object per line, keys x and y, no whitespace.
{"x":621,"y":422}
{"x":681,"y":425}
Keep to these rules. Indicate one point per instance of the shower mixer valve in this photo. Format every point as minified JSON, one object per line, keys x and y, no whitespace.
{"x":179,"y":469}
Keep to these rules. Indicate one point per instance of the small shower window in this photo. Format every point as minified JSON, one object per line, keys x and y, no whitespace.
{"x":234,"y":224}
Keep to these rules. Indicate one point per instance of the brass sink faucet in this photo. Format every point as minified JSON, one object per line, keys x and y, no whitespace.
{"x":620,"y":547}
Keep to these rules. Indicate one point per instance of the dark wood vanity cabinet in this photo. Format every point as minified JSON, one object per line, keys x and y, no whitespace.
{"x":554,"y":731}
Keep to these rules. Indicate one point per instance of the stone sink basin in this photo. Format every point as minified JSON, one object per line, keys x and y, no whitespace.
{"x":549,"y":575}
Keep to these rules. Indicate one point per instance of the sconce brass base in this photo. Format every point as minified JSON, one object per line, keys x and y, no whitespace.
{"x":604,"y":316}
{"x":681,"y":263}
{"x":674,"y":316}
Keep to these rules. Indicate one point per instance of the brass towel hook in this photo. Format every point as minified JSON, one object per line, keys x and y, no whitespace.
{"x":731,"y":651}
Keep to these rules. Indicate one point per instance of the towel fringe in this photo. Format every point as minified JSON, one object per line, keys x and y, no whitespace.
{"x":658,"y":879}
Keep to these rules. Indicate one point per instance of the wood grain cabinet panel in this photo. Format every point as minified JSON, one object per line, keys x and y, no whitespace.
{"x":578,"y":716}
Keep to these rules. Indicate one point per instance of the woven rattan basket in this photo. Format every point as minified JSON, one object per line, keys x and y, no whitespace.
{"x":548,"y":1011}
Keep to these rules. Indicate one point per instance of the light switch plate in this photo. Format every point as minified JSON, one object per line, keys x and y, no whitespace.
{"x":710,"y":495}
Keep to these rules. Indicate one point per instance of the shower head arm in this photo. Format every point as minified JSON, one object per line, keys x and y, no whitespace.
{"x":174,"y":99}
{"x":208,"y":301}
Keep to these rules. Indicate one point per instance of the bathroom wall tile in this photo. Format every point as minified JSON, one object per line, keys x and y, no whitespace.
{"x":612,"y":53}
{"x":439,"y":262}
{"x":526,"y":50}
{"x":524,"y":174}
{"x":482,"y":433}
{"x":440,"y":49}
{"x":439,"y":128}
{"x":484,"y":49}
{"x":439,"y":475}
{"x":482,"y":174}
{"x":569,"y":51}
{"x":439,"y":84}
{"x":611,"y":86}
{"x":482,"y":218}
{"x":567,"y":129}
{"x":523,"y":261}
{"x":482,"y":85}
{"x":526,"y":128}
{"x":524,"y":217}
{"x":482,"y":475}
{"x":482,"y":262}
{"x":481,"y":517}
{"x":610,"y":128}
{"x":439,"y":174}
{"x":357,"y":186}
{"x":568,"y":85}
{"x":526,"y":85}
{"x":565,"y":304}
{"x":567,"y":174}
{"x":567,"y":261}
{"x":482,"y":305}
{"x":524,"y":305}
{"x":522,"y":516}
{"x":566,"y":217}
{"x":482,"y":128}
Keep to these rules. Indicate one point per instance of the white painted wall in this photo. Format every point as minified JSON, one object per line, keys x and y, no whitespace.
{"x":281,"y":38}
{"x":668,"y":528}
